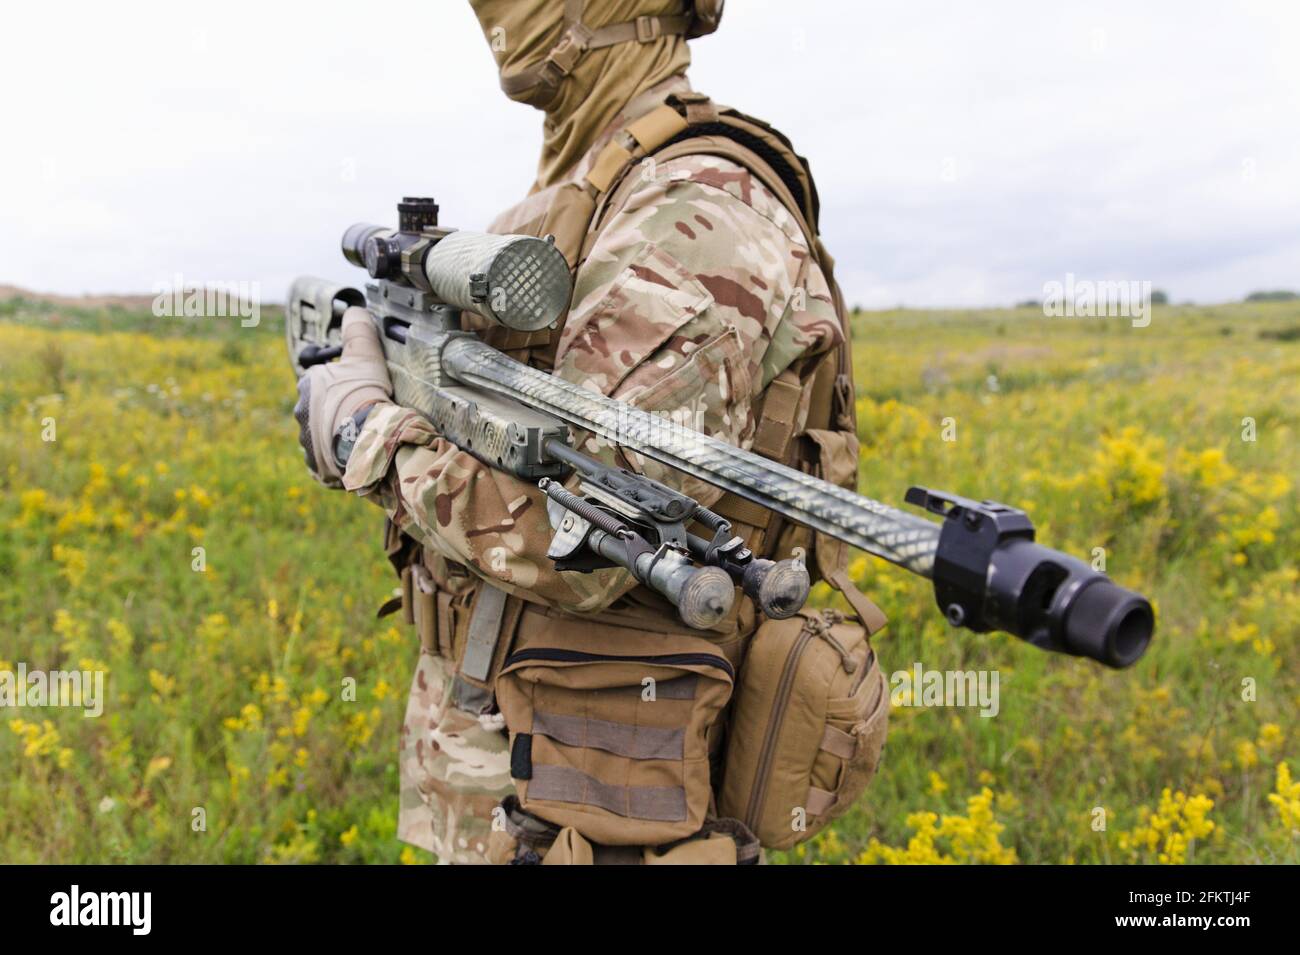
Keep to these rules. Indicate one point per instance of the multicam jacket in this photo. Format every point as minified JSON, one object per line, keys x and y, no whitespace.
{"x":698,"y":291}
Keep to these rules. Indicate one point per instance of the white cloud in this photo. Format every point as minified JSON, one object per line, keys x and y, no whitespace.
{"x":965,"y":153}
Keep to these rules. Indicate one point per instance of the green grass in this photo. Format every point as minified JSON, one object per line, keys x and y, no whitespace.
{"x":224,"y":686}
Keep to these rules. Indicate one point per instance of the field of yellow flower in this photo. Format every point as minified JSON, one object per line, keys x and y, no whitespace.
{"x":156,"y":523}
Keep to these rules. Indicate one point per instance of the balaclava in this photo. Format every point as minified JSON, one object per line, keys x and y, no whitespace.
{"x":582,"y":62}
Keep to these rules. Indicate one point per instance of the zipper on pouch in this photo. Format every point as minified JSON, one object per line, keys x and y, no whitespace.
{"x":777,"y":717}
{"x":862,"y":673}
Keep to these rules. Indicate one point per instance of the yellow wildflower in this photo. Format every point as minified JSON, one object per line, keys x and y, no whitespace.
{"x":1286,"y":798}
{"x":1247,"y":755}
{"x":1168,"y":835}
{"x":972,"y":838}
{"x":72,"y":563}
{"x":937,"y":785}
{"x":1270,"y":739}
{"x":162,"y":684}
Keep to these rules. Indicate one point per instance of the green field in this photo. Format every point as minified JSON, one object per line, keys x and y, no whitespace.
{"x":225,"y":737}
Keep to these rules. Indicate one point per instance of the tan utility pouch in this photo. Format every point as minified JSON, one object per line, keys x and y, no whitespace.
{"x":707,"y":848}
{"x":807,"y":727}
{"x":609,"y":726}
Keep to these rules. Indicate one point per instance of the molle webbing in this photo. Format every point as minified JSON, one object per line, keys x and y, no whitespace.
{"x":621,"y":739}
{"x":566,"y":784}
{"x":777,"y":422}
{"x":642,"y":137}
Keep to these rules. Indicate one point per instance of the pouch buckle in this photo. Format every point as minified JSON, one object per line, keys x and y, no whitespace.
{"x":648,"y":29}
{"x":564,"y":55}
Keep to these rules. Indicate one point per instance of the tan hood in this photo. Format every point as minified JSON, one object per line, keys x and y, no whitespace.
{"x":601,"y":81}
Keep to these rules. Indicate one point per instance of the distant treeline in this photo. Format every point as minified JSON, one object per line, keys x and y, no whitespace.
{"x":1160,"y":297}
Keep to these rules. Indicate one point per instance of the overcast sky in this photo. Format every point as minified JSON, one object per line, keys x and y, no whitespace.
{"x":966,"y":153}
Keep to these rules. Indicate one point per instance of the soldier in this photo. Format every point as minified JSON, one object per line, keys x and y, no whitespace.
{"x":702,"y":292}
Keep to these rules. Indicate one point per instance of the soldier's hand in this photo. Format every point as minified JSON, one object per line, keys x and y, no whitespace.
{"x":333,"y":399}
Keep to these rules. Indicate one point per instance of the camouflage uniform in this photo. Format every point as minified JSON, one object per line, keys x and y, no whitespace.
{"x":452,"y":769}
{"x":698,"y":291}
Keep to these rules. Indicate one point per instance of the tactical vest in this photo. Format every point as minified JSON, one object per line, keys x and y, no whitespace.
{"x":805,"y":416}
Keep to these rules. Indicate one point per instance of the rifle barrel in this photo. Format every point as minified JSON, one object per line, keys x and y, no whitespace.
{"x":903,"y":539}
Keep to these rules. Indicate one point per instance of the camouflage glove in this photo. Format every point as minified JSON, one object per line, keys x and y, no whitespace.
{"x":334,"y":399}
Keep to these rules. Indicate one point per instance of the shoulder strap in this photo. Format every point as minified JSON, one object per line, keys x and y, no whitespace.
{"x":690,"y":124}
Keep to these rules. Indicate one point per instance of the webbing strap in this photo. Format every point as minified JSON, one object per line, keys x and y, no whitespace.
{"x":559,"y":62}
{"x":644,"y":29}
{"x":578,"y":38}
{"x":839,"y":743}
{"x":611,"y":161}
{"x":423,"y":607}
{"x":818,"y":801}
{"x":565,"y":784}
{"x":621,"y":739}
{"x":446,"y":626}
{"x":529,"y":830}
{"x":699,"y":108}
{"x":484,"y":632}
{"x":656,"y":127}
{"x":748,"y":849}
{"x":776,"y":425}
{"x":408,"y":598}
{"x":821,"y":399}
{"x":777,"y":421}
{"x":871,"y":616}
{"x":740,"y":510}
{"x":647,"y":133}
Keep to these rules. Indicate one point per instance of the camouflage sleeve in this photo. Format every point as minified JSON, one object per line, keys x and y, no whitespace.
{"x":467,"y":512}
{"x":698,"y":292}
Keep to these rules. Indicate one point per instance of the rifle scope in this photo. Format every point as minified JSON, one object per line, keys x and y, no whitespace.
{"x":518,"y":281}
